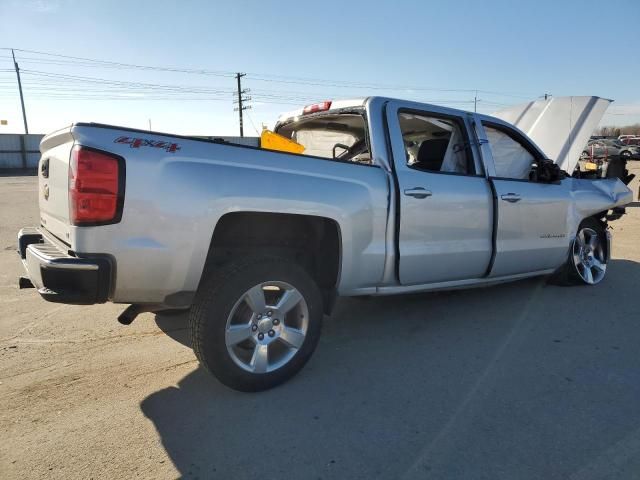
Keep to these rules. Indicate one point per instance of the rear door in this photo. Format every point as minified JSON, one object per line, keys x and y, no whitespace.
{"x":531,"y":233}
{"x":445,"y":216}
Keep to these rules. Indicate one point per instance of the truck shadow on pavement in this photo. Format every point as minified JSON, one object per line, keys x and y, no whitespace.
{"x":523,"y":380}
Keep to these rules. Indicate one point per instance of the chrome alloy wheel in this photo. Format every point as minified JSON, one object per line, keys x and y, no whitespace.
{"x":266,"y":327}
{"x":589,"y":256}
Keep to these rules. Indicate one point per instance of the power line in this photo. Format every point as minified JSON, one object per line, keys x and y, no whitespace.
{"x":262,"y":77}
{"x":75,"y":79}
{"x":99,"y":86}
{"x":128,"y":65}
{"x":253,"y":124}
{"x":73,"y":87}
{"x":112,"y":82}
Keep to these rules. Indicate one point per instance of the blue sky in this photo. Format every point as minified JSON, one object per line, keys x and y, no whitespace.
{"x":510,"y":51}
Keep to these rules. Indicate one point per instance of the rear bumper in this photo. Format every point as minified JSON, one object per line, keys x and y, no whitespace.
{"x":61,"y":276}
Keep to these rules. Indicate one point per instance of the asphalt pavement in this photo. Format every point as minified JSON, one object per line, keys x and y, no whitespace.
{"x":519,"y":381}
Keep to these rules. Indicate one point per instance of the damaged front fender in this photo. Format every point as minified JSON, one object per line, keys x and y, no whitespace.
{"x":595,"y":197}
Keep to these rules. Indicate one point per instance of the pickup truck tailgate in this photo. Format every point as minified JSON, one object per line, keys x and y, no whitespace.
{"x":53,"y":182}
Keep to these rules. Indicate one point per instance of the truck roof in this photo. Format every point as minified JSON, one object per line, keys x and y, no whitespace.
{"x":341,"y":104}
{"x":335,"y":105}
{"x":559,"y":126}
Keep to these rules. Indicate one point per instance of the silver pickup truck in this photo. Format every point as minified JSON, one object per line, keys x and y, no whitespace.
{"x":388,"y":197}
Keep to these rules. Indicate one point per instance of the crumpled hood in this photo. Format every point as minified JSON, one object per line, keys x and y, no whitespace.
{"x":560,"y":126}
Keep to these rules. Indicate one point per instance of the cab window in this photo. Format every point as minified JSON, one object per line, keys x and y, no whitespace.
{"x":435,"y":144}
{"x":510,"y":157}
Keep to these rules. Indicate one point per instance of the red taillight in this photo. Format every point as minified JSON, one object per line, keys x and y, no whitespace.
{"x":317,"y":107}
{"x":94,"y":183}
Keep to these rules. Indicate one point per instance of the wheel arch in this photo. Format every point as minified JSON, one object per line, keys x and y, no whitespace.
{"x":313,"y":241}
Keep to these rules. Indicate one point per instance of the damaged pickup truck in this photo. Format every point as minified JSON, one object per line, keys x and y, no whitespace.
{"x":387,"y":197}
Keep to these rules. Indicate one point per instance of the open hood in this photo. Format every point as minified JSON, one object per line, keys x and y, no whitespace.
{"x":560,"y":126}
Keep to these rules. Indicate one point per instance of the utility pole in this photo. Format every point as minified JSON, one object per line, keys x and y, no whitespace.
{"x":24,"y":114}
{"x":239,"y":107}
{"x":241,"y":100}
{"x":475,"y":102}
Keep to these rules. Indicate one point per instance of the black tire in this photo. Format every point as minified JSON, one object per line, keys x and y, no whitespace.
{"x":568,"y":274}
{"x":217,"y":295}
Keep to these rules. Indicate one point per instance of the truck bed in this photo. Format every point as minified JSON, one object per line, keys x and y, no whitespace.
{"x":178,"y":188}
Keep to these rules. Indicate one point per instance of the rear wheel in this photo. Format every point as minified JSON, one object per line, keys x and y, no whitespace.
{"x":255,"y":322}
{"x":587,"y":262}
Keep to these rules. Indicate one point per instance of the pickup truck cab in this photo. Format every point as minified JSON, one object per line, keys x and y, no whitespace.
{"x":388,"y":197}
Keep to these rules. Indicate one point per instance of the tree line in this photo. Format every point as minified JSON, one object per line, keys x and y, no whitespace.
{"x":612,"y":131}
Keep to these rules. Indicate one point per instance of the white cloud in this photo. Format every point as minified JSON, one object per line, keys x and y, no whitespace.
{"x":43,"y":6}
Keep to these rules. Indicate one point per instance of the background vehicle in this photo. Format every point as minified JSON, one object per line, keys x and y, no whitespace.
{"x":631,"y":141}
{"x":609,"y":148}
{"x":389,"y":197}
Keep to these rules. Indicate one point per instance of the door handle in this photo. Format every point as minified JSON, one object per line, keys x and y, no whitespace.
{"x":510,"y":197}
{"x":417,"y":192}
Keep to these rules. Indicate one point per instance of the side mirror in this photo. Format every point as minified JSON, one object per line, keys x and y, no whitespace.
{"x":549,"y":172}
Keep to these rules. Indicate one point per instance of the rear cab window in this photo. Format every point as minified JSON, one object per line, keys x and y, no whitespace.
{"x":336,"y":136}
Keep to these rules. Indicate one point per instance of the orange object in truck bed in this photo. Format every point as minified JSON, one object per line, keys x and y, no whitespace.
{"x":273,"y":141}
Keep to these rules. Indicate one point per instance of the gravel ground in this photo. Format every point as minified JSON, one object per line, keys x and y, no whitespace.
{"x":523,"y":381}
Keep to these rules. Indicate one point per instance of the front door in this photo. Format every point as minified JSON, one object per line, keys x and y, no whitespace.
{"x":445,"y":217}
{"x":532,"y":217}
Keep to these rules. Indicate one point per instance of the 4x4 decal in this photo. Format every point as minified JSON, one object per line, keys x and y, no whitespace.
{"x":143,"y":142}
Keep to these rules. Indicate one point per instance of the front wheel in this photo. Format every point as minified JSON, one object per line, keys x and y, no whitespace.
{"x":587,"y":262}
{"x":256,"y":322}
